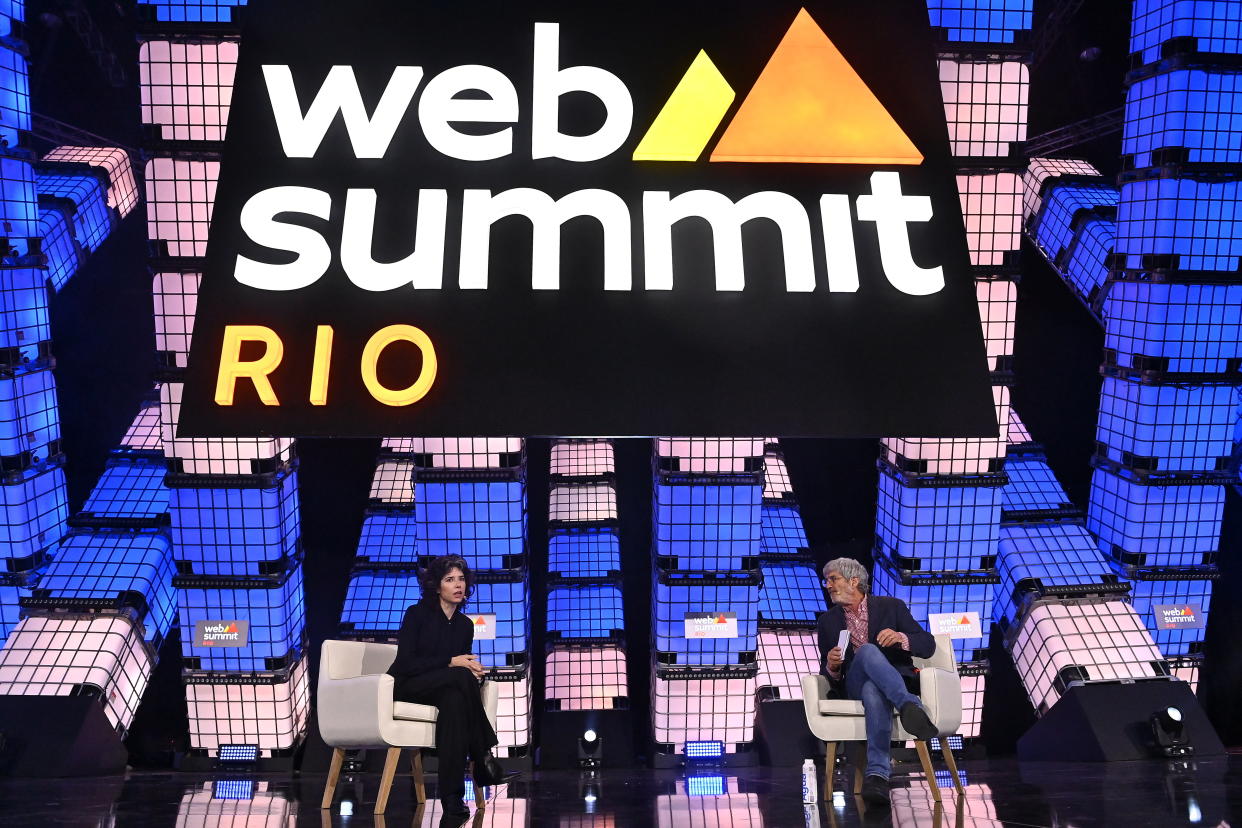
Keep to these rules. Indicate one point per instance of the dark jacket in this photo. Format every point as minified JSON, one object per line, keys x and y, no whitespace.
{"x":428,"y":639}
{"x":883,"y":612}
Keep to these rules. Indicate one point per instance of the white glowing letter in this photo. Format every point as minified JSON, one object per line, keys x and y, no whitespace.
{"x":424,"y":268}
{"x":439,"y":107}
{"x":481,"y":209}
{"x":551,"y":82}
{"x":726,"y":218}
{"x":891,"y":211}
{"x":839,"y":255}
{"x":300,"y":135}
{"x":258,"y":222}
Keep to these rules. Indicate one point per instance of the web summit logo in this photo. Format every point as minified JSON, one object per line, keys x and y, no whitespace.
{"x":221,"y":633}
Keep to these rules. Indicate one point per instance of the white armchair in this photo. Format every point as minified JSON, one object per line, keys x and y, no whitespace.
{"x":841,"y":720}
{"x":356,"y":710}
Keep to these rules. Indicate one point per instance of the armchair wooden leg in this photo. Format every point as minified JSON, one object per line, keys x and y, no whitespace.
{"x":416,"y":771}
{"x":860,"y":766}
{"x":928,"y":770}
{"x":334,"y":775}
{"x":480,"y":800}
{"x":830,"y":761}
{"x":952,"y":763}
{"x":390,"y":770}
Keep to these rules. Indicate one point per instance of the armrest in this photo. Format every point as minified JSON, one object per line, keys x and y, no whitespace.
{"x":941,"y":693}
{"x":353,"y":711}
{"x":814,"y":690}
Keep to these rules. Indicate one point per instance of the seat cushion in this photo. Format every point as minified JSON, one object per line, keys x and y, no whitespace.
{"x":410,"y":712}
{"x":840,"y":707}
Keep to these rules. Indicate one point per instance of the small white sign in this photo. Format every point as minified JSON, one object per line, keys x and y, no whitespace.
{"x":711,"y":624}
{"x":955,"y":624}
{"x":484,"y":626}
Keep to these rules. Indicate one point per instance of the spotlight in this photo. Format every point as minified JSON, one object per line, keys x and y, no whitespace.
{"x":236,"y":756}
{"x":232,"y":789}
{"x":590,"y":749}
{"x":710,"y":751}
{"x":1168,"y":729}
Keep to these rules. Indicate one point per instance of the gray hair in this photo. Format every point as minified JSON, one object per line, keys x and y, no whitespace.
{"x":849,"y":568}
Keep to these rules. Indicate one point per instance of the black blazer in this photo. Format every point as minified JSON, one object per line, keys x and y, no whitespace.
{"x":883,"y":612}
{"x":429,"y":639}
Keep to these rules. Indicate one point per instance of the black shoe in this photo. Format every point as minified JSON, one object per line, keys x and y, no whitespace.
{"x":489,"y":772}
{"x":875,"y":791}
{"x":454,"y":809}
{"x":916,"y":722}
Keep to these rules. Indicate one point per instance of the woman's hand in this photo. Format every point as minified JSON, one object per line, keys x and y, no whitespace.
{"x":470,"y":662}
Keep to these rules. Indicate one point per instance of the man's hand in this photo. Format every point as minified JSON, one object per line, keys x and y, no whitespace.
{"x":835,"y":659}
{"x":470,"y":662}
{"x":888,"y":638}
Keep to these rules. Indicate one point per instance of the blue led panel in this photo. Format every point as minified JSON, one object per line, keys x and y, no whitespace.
{"x":92,"y":219}
{"x":12,"y":591}
{"x":1086,"y":269}
{"x":1175,"y":593}
{"x":389,"y":537}
{"x":1178,"y":328}
{"x":1155,"y":525}
{"x":236,"y":531}
{"x":932,"y":528}
{"x":484,"y":522}
{"x":697,"y":785}
{"x":376,"y":601}
{"x":677,"y":594}
{"x":274,"y":607}
{"x":1032,"y":486}
{"x":1197,"y":111}
{"x":509,"y":601}
{"x":981,"y":21}
{"x":112,"y":571}
{"x":64,"y":257}
{"x":33,"y":511}
{"x":24,"y":321}
{"x":1061,"y":204}
{"x":791,"y":595}
{"x":1216,"y":26}
{"x":1198,"y":222}
{"x":14,"y":93}
{"x":949,"y":594}
{"x":705,"y":527}
{"x":1167,"y":427}
{"x":129,"y":488}
{"x":19,"y":203}
{"x":1047,"y":560}
{"x":584,"y":552}
{"x":194,"y":11}
{"x":11,"y":11}
{"x":781,"y":531}
{"x":585,"y":611}
{"x":29,"y":419}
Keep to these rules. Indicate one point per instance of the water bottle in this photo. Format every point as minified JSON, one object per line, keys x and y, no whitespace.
{"x":810,"y":816}
{"x":810,"y":792}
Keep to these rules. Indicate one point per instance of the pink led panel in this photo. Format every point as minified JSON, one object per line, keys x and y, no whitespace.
{"x":776,"y":484}
{"x":972,"y":705}
{"x":998,"y":305}
{"x":913,"y":806}
{"x":266,"y":809}
{"x":690,"y":807}
{"x":144,"y":431}
{"x":992,"y":210}
{"x":52,"y":656}
{"x":711,"y":454}
{"x":956,"y":456}
{"x":122,"y":189}
{"x":393,"y":483}
{"x":1017,"y":430}
{"x":583,"y":458}
{"x":513,"y":716}
{"x":784,"y":657}
{"x":176,"y":299}
{"x":586,"y":678}
{"x":215,"y":455}
{"x":592,"y":502}
{"x":186,"y":87}
{"x":457,"y":452}
{"x":985,"y":105}
{"x":1040,"y":169}
{"x":180,"y":196}
{"x":703,"y":710}
{"x":269,"y":711}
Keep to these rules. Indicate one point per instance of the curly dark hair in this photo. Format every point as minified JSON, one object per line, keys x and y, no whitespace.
{"x":435,"y":571}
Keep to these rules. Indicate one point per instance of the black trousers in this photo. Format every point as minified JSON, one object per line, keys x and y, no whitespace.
{"x":462,"y":727}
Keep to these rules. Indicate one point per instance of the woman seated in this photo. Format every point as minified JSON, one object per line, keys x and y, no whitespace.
{"x":434,"y":666}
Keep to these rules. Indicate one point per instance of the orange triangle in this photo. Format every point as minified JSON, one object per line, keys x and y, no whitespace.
{"x":809,"y":106}
{"x":1188,"y":611}
{"x":720,"y":619}
{"x":480,"y":621}
{"x":964,"y":620}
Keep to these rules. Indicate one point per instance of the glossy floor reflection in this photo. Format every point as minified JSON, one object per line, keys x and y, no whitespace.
{"x":997,"y":793}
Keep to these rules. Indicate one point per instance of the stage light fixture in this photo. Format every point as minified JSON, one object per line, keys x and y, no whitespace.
{"x":1168,"y":729}
{"x":237,"y":755}
{"x":347,"y":808}
{"x":701,"y":751}
{"x":232,"y":789}
{"x":713,"y":785}
{"x":590,"y":749}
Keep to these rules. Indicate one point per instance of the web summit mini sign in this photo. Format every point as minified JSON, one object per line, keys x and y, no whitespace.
{"x":542,"y":218}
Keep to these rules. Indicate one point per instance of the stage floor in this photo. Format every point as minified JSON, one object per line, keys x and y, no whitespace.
{"x":998,"y":793}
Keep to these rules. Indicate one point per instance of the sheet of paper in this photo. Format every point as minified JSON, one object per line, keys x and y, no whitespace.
{"x":843,"y":641}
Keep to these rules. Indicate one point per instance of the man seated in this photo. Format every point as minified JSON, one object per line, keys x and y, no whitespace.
{"x":876,"y":667}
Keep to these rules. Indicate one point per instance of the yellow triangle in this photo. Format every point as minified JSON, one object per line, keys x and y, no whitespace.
{"x":809,"y":106}
{"x":690,"y":115}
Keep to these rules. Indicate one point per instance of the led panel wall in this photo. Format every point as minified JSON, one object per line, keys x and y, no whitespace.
{"x":784,"y":657}
{"x":375,"y":602}
{"x":589,"y":611}
{"x":974,"y":682}
{"x":268,"y":711}
{"x":513,"y":718}
{"x":1141,"y":525}
{"x":582,"y":502}
{"x":1172,"y":327}
{"x":1032,"y":487}
{"x":965,"y":455}
{"x":175,"y":296}
{"x":235,"y":802}
{"x":1018,"y":433}
{"x":33,"y":510}
{"x":509,"y":600}
{"x":93,"y":221}
{"x":937,"y":528}
{"x":998,"y":307}
{"x":1212,"y":24}
{"x":18,"y":198}
{"x":1061,"y":643}
{"x":984,"y":21}
{"x":707,"y":799}
{"x":29,"y":419}
{"x":703,"y":710}
{"x":582,"y":458}
{"x":985,"y":105}
{"x":216,"y":455}
{"x":122,"y":191}
{"x":101,"y":656}
{"x":1192,"y":115}
{"x":678,"y":594}
{"x":180,"y":196}
{"x":459,"y":452}
{"x":1039,"y":170}
{"x":130,"y":488}
{"x":1166,"y":427}
{"x":1087,"y":266}
{"x":706,"y":527}
{"x":1061,"y":204}
{"x":776,"y":483}
{"x":1163,"y":597}
{"x":194,"y":11}
{"x":1188,"y":225}
{"x":992,"y":210}
{"x":711,"y":455}
{"x":24,"y":321}
{"x":393,"y":484}
{"x":584,"y":552}
{"x":1044,"y":560}
{"x":145,"y":433}
{"x":125,"y":573}
{"x":186,"y":87}
{"x":388,"y":537}
{"x":274,"y":608}
{"x":14,"y":94}
{"x":484,"y":521}
{"x":781,"y":531}
{"x":586,"y":678}
{"x":60,"y":244}
{"x":948,"y":595}
{"x":791,"y":595}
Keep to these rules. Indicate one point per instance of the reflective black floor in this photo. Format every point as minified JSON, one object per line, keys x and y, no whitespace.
{"x":998,"y":793}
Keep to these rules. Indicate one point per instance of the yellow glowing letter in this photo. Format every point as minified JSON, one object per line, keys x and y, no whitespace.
{"x":321,"y":365}
{"x":371,"y":354}
{"x":690,"y":115}
{"x":232,"y":368}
